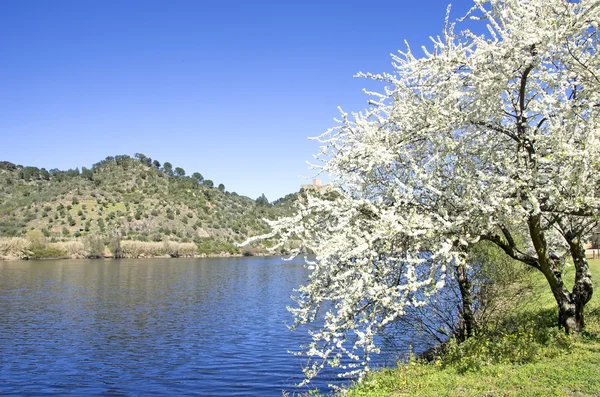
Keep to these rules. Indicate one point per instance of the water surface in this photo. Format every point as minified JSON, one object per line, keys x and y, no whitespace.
{"x":150,"y":327}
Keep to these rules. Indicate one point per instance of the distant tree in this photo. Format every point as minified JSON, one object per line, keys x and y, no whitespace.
{"x":71,"y":173}
{"x":101,"y":224}
{"x":221,"y":187}
{"x":7,"y":165}
{"x":44,"y":174}
{"x":123,"y":161}
{"x":262,"y":200}
{"x":198,"y":176}
{"x":168,"y":168}
{"x":143,"y":159}
{"x":57,"y":175}
{"x":29,"y":173}
{"x":156,"y":164}
{"x":208,"y":182}
{"x":179,"y":171}
{"x":87,"y":173}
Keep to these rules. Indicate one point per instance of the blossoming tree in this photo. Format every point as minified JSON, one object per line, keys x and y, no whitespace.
{"x":485,"y":136}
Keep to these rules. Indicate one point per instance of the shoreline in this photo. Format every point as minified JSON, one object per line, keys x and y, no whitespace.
{"x":199,"y":256}
{"x":19,"y":248}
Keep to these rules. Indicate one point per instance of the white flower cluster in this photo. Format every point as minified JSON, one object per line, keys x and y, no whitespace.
{"x":483,"y":132}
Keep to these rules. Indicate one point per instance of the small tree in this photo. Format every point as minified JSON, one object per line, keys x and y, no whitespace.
{"x":144,"y":159}
{"x":101,"y":225}
{"x":262,"y":201}
{"x":168,"y":168}
{"x":36,"y":238}
{"x":198,"y":176}
{"x":44,"y":174}
{"x":114,"y":245}
{"x":94,"y":245}
{"x":484,"y":136}
{"x":179,"y":171}
{"x":221,"y":187}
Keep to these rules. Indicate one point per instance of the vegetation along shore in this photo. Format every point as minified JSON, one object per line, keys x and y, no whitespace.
{"x":518,"y":352}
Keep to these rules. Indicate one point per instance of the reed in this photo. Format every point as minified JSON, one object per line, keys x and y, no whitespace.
{"x":188,"y":249}
{"x":142,"y":249}
{"x":74,"y":249}
{"x":14,"y":247}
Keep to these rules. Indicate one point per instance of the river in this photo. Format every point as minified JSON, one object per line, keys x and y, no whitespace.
{"x":214,"y":327}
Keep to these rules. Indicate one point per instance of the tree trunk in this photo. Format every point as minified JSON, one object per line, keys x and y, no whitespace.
{"x":570,"y":304}
{"x":583,"y":288}
{"x":567,"y":316}
{"x":466,"y":311}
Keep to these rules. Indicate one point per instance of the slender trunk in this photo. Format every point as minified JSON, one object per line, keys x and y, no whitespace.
{"x":466,"y":311}
{"x":583,"y":288}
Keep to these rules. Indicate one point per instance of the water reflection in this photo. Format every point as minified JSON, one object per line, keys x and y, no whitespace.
{"x":206,"y":327}
{"x":154,"y":327}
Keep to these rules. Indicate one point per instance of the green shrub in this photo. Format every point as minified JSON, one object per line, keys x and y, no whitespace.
{"x":47,"y":252}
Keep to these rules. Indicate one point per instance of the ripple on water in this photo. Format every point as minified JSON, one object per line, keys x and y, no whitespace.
{"x":149,"y":327}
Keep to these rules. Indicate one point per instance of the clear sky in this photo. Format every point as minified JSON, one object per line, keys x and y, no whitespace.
{"x":231,"y":89}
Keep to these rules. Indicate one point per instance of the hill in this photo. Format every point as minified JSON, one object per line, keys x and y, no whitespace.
{"x":130,"y":198}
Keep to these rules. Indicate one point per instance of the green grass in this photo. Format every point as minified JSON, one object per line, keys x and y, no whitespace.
{"x":525,"y":356}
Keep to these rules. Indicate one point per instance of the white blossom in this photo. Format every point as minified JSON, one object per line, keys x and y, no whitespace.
{"x":483,"y":131}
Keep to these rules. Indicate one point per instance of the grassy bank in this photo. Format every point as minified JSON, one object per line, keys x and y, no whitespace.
{"x":523,"y":354}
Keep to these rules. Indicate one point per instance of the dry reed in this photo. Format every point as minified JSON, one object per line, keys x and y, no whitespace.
{"x":143,"y":249}
{"x":14,"y":247}
{"x":74,"y":249}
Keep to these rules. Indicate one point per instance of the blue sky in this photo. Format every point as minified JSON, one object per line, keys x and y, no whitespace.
{"x":231,"y":89}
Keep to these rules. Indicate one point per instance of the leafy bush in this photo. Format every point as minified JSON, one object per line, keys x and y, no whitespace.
{"x":36,"y":238}
{"x":47,"y":252}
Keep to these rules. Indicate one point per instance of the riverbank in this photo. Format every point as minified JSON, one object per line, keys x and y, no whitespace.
{"x":523,"y":354}
{"x":17,"y":248}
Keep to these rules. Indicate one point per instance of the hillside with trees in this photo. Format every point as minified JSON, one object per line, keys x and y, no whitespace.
{"x":125,"y":198}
